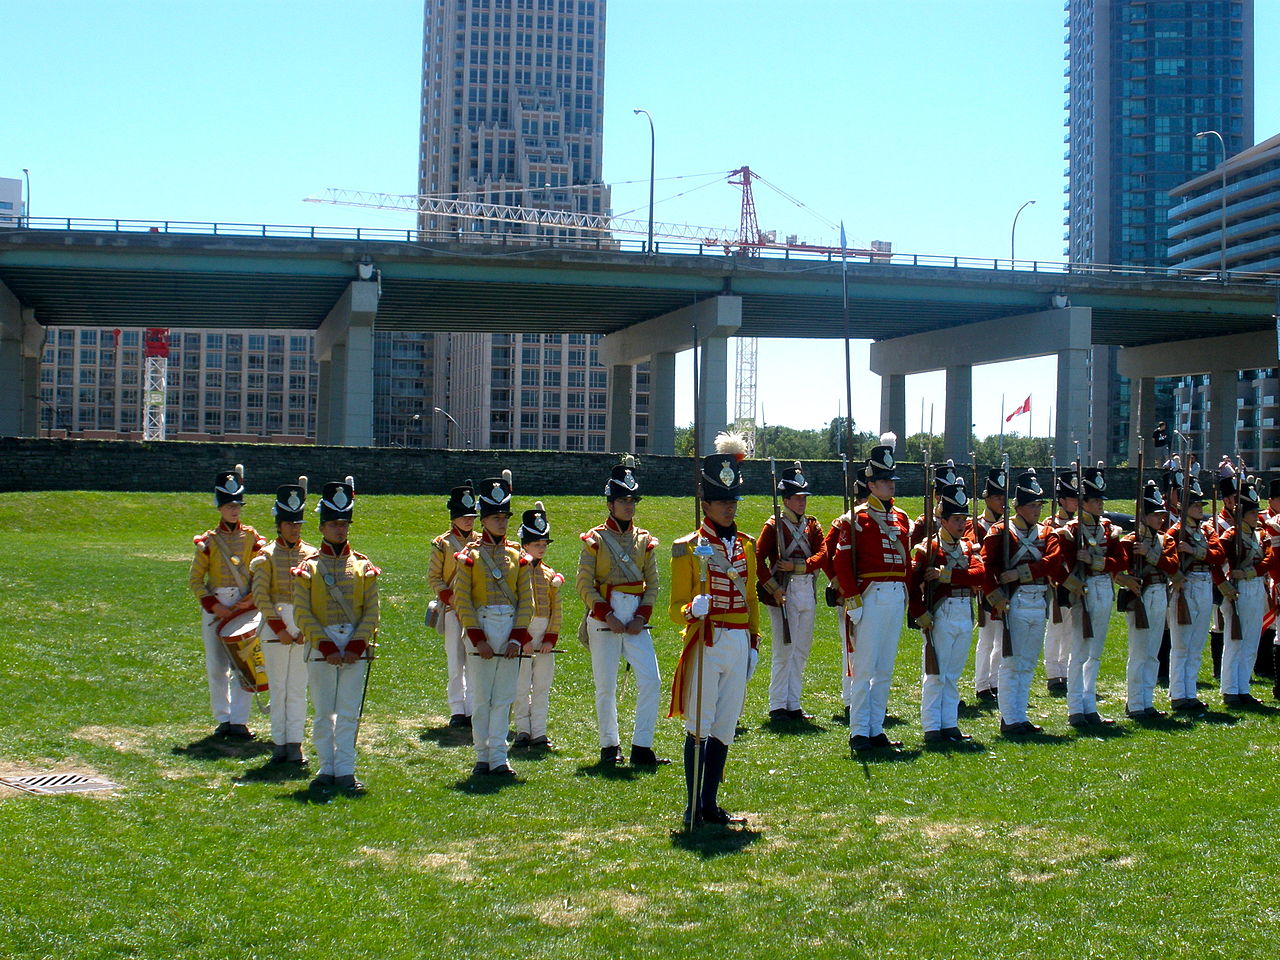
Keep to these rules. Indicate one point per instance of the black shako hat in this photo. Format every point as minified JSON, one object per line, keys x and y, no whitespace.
{"x":880,"y":464}
{"x":1229,"y":485}
{"x":1065,"y":485}
{"x":996,"y":483}
{"x":337,"y":500}
{"x":1194,"y":490}
{"x":1152,"y":499}
{"x":722,"y":470}
{"x":1249,"y":499}
{"x":534,"y":524}
{"x":792,"y":482}
{"x":946,"y":475}
{"x":291,"y":501}
{"x":228,"y":487}
{"x":462,"y":501}
{"x":495,"y":495}
{"x":1273,"y":488}
{"x":952,"y":500}
{"x":623,"y":481}
{"x":1027,"y":489}
{"x":1093,"y":483}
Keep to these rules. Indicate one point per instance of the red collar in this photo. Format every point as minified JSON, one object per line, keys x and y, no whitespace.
{"x":224,"y":527}
{"x":612,"y":524}
{"x":289,"y":546}
{"x":327,"y":550}
{"x":487,"y":539}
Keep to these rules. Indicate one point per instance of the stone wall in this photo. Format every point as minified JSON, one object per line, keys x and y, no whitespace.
{"x":55,"y":464}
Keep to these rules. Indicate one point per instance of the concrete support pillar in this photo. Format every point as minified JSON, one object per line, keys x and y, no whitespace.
{"x":21,"y":339}
{"x":1222,"y":417}
{"x":1142,"y":418}
{"x":621,"y":407}
{"x":713,"y":412}
{"x":893,"y":404}
{"x":959,"y":420}
{"x":662,"y":404}
{"x":1073,"y":405}
{"x":344,"y":352}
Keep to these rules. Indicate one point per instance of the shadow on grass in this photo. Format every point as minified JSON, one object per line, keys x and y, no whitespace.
{"x":712,"y":840}
{"x":613,"y":771}
{"x":319,"y":796}
{"x":447,"y":736}
{"x":274,"y":773}
{"x":484,"y":785}
{"x":891,"y":720}
{"x":884,"y":755}
{"x":1214,"y":716}
{"x":219,"y":748}
{"x":1043,"y":738}
{"x":792,"y":727}
{"x":534,"y":754}
{"x":955,"y":746}
{"x":1163,"y":723}
{"x":1100,"y":732}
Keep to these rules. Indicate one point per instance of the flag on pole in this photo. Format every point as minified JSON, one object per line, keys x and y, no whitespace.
{"x":1023,"y":407}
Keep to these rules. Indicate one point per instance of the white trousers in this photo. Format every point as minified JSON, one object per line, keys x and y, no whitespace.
{"x":1238,"y":656}
{"x":1026,"y":616}
{"x":228,"y":700}
{"x":336,"y":692}
{"x":848,"y":641}
{"x":940,"y":695}
{"x":607,"y":650}
{"x":1186,"y":643}
{"x":457,"y":690}
{"x":495,"y":686}
{"x":287,"y":675}
{"x":533,"y":685}
{"x":724,"y":684}
{"x":884,"y":604}
{"x":986,"y":656}
{"x":1144,"y":648}
{"x":787,"y":663}
{"x":1086,"y":655}
{"x":1057,"y":645}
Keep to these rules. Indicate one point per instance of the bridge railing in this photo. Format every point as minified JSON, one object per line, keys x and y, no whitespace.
{"x":624,"y":245}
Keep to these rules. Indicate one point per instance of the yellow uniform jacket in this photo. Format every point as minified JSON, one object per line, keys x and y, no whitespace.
{"x":600,"y":573}
{"x":442,"y":567}
{"x":271,"y":574}
{"x":222,"y":559}
{"x":353,"y":577}
{"x":546,"y":596}
{"x":476,"y":586}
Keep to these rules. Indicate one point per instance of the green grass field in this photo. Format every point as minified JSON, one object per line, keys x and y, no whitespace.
{"x":1153,"y":841}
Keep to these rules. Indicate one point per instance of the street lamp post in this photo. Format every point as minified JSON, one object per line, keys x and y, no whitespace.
{"x":26,"y":213}
{"x":445,"y":413}
{"x":1222,"y":263}
{"x":416,"y":422}
{"x":1013,"y":232}
{"x":652,"y":147}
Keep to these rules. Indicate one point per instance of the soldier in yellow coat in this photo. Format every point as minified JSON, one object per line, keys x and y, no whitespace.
{"x":713,"y":575}
{"x":442,"y":570}
{"x":283,"y":646}
{"x":493,"y":595}
{"x":618,"y":583}
{"x":538,"y":668}
{"x":335,"y":601}
{"x":219,"y":578}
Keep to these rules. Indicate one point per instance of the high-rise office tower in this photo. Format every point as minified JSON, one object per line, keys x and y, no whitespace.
{"x":1144,"y":77}
{"x":512,"y":113}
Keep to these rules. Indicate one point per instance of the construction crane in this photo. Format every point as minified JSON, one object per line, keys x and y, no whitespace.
{"x":748,"y":240}
{"x":155,"y":348}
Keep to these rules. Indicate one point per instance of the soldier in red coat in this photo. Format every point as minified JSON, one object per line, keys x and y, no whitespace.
{"x":986,"y":655}
{"x":871,"y":566}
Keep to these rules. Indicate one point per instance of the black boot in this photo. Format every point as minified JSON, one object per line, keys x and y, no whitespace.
{"x":712,"y":773}
{"x":1215,"y":649}
{"x":691,"y":812}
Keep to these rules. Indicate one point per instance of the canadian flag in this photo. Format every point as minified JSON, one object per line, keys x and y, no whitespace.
{"x":1024,"y":407}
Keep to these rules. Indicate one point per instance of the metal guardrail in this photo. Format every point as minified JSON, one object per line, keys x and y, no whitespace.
{"x":674,"y":247}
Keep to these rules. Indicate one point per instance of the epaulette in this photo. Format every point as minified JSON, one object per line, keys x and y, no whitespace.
{"x":201,"y":540}
{"x":465,"y":556}
{"x":557,"y":579}
{"x":589,"y":540}
{"x":653,"y":542}
{"x":679,"y":548}
{"x":747,"y":537}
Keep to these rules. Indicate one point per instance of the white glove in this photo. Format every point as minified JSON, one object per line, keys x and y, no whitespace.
{"x":700,"y":606}
{"x":853,"y":613}
{"x":753,"y":657}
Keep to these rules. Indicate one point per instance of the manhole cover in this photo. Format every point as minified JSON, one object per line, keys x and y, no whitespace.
{"x":47,"y":783}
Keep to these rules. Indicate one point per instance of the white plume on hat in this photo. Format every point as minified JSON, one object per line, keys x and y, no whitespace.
{"x":239,"y":471}
{"x":537,"y":505}
{"x":506,"y":475}
{"x":302,"y":482}
{"x":889,"y":439}
{"x":729,"y":442}
{"x":629,"y":462}
{"x":351,"y":482}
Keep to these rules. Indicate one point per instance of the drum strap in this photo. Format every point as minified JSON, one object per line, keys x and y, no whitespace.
{"x":330,"y":582}
{"x":236,"y":573}
{"x":625,"y":562}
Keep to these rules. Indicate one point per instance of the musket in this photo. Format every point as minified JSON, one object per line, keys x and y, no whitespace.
{"x":844,"y":469}
{"x":369,"y":656}
{"x":930,"y":652}
{"x":1238,"y":517}
{"x":1082,"y":605}
{"x":1183,"y":612}
{"x":973,"y":523}
{"x":777,"y":546}
{"x":1006,"y":638}
{"x":1136,"y":604}
{"x":701,"y":551}
{"x":1055,"y":604}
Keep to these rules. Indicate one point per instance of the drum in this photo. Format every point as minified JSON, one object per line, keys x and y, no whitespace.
{"x":239,"y":635}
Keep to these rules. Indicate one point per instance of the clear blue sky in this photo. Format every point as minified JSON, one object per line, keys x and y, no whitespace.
{"x":925,"y":123}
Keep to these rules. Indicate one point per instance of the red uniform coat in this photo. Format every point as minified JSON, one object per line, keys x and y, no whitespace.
{"x":1031,"y":569}
{"x":768,"y":554}
{"x":866,"y":553}
{"x":961,"y":570}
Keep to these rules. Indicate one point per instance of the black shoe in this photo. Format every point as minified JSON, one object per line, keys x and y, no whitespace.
{"x":860,"y":744}
{"x":459,"y":720}
{"x":780,"y":714}
{"x":501,"y":770}
{"x":1078,"y":720}
{"x":719,"y":816}
{"x":611,"y":756}
{"x":987,"y":696}
{"x":799,"y":714}
{"x":349,"y":783}
{"x":238,"y":731}
{"x":222,"y":729}
{"x":466,"y":721}
{"x":279,"y":754}
{"x":1019,"y":728}
{"x":1057,"y":686}
{"x":645,"y":757}
{"x":480,"y":769}
{"x":522,"y":739}
{"x":1249,"y":700}
{"x":955,"y":735}
{"x":324,"y":781}
{"x":881,"y":741}
{"x":1098,"y":720}
{"x":934,"y":736}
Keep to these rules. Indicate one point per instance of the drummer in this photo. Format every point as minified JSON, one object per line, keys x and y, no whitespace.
{"x":282,"y":644}
{"x":220,"y":580}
